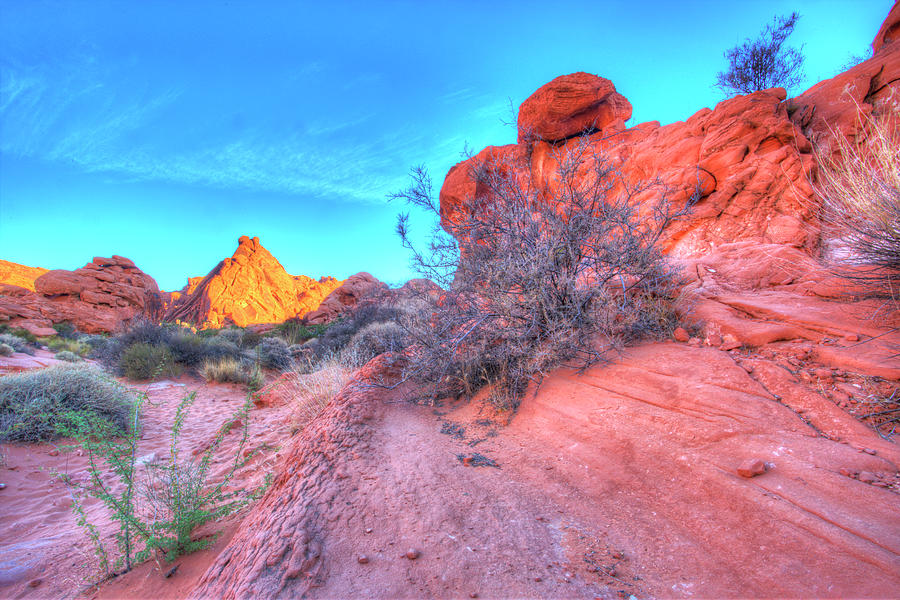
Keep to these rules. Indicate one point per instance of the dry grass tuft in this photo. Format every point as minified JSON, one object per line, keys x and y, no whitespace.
{"x":859,"y":188}
{"x":310,"y":393}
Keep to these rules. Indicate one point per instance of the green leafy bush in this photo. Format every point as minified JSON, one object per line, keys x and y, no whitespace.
{"x":61,"y":344}
{"x":143,"y":361}
{"x":17,"y":343}
{"x":66,"y":330}
{"x":32,"y":404}
{"x":161,"y":512}
{"x":190,"y":349}
{"x":67,"y":356}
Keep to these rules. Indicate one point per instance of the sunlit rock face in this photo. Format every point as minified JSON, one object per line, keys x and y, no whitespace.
{"x":101,"y":297}
{"x":249,"y":288}
{"x":19,"y":275}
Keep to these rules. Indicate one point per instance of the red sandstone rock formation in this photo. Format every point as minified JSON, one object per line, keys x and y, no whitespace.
{"x":19,"y":275}
{"x":750,"y":156}
{"x":102,"y":296}
{"x":355,"y":288}
{"x":249,"y":288}
{"x":571,"y":105}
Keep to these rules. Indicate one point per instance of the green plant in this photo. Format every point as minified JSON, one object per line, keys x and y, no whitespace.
{"x":295,"y":332}
{"x":61,"y":344}
{"x":67,"y":356}
{"x":6,"y":349}
{"x":16,"y":342}
{"x":19,"y":332}
{"x":66,"y":330}
{"x":162,"y":512}
{"x":142,"y":362}
{"x":764,"y":62}
{"x":33,"y":403}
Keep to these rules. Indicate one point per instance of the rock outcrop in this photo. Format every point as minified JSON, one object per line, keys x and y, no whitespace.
{"x":344,"y":298}
{"x":100,"y":297}
{"x":750,"y":158}
{"x":19,"y":275}
{"x":571,"y":105}
{"x":249,"y":288}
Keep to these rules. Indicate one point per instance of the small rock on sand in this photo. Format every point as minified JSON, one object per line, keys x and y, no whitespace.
{"x":751,"y":468}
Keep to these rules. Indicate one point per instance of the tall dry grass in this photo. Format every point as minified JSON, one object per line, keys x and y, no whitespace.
{"x":859,"y":190}
{"x":309,"y":393}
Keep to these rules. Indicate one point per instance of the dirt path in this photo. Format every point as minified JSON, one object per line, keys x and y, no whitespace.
{"x":621,"y":481}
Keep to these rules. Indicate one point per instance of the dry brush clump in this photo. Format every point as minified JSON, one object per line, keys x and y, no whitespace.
{"x":33,"y":403}
{"x":858,"y":186}
{"x":537,"y":275}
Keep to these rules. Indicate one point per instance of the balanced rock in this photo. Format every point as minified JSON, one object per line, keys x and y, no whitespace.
{"x":571,"y":105}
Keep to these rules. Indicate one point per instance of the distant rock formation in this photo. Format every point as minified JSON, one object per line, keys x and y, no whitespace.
{"x":19,"y":275}
{"x":100,"y":297}
{"x":249,"y":288}
{"x":345,"y":297}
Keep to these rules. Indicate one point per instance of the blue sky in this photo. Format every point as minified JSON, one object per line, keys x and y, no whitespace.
{"x":162,"y":131}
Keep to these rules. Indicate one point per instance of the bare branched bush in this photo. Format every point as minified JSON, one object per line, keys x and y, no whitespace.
{"x":859,"y":188}
{"x":764,"y":62}
{"x":538,"y":274}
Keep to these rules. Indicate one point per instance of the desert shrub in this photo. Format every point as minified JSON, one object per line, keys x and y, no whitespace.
{"x":66,"y":330}
{"x":294,"y":332}
{"x":374,"y":339}
{"x":67,"y":356}
{"x":764,"y":62}
{"x":17,"y":343}
{"x":92,"y":340}
{"x":33,"y":403}
{"x":339,"y":333}
{"x":177,"y":495}
{"x":19,"y":332}
{"x":536,"y":276}
{"x":859,"y":188}
{"x":61,"y":344}
{"x":142,"y":361}
{"x":231,"y":370}
{"x":273,"y":353}
{"x":235,"y":335}
{"x":6,"y":349}
{"x":190,"y":349}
